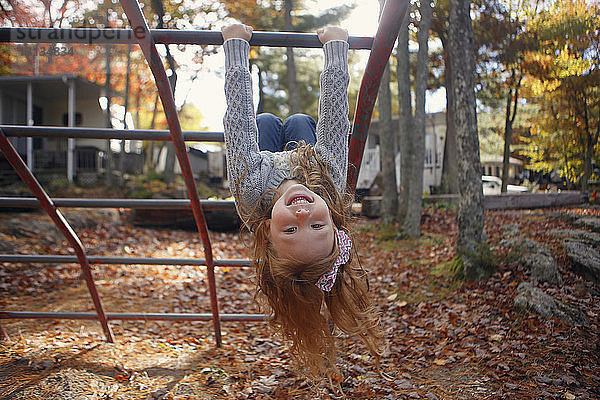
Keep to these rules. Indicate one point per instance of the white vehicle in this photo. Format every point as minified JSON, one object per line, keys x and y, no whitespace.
{"x":493,"y":185}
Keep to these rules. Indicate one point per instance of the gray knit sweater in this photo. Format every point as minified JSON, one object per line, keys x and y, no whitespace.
{"x":253,"y":172}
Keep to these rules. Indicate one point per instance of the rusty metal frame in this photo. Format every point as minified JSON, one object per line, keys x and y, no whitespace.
{"x":389,"y":25}
{"x":381,"y":47}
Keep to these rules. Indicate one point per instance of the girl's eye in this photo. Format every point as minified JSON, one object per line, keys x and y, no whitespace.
{"x":290,"y":230}
{"x":317,"y":226}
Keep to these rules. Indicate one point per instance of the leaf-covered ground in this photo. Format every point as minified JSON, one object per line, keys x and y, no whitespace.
{"x":445,"y":339}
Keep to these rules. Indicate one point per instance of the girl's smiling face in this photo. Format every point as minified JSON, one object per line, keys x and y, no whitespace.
{"x":300,"y":227}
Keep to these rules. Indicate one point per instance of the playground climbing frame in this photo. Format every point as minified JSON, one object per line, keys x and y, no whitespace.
{"x":380,"y":49}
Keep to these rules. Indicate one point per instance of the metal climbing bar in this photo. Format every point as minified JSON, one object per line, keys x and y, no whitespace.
{"x":130,"y":316}
{"x":165,"y":36}
{"x":107,"y":133}
{"x":161,"y":204}
{"x":43,"y":259}
{"x":392,"y":16}
{"x":148,"y":46}
{"x":46,"y":202}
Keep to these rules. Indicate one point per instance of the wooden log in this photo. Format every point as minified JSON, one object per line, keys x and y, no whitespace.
{"x":371,"y":205}
{"x":533,"y":200}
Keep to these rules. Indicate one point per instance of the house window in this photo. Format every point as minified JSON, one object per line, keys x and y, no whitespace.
{"x":65,"y":119}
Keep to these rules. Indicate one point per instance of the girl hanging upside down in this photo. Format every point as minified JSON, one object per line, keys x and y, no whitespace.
{"x":288,"y":180}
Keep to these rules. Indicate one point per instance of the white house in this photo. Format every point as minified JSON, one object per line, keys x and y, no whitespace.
{"x":492,"y":166}
{"x":435,"y":135}
{"x":53,"y":100}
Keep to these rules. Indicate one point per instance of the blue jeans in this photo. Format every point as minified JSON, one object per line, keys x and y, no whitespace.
{"x":275,"y":136}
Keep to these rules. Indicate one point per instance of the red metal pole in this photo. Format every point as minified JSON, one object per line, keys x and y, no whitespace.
{"x":389,"y":26}
{"x":147,"y":43}
{"x":46,"y":202}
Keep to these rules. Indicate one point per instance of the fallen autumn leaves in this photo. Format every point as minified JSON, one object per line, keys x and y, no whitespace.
{"x":446,"y":340}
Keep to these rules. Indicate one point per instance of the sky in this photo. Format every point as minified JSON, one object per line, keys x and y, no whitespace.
{"x":207,"y":92}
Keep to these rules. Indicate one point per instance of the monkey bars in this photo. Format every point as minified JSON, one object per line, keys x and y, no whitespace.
{"x":380,"y":46}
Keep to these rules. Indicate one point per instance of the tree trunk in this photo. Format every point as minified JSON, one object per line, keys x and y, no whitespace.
{"x":126,"y":104}
{"x":508,"y":126}
{"x":450,"y":164}
{"x":389,"y":204}
{"x":109,"y":158}
{"x":412,"y":221}
{"x":405,"y":113}
{"x":293,"y":97}
{"x":470,"y":213}
{"x":149,"y":160}
{"x":169,"y":172}
{"x":138,"y":95}
{"x":591,"y":141}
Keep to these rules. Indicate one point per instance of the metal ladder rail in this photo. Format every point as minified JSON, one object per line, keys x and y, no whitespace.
{"x":392,"y":15}
{"x":46,"y":202}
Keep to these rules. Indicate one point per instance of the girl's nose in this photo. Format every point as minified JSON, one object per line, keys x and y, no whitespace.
{"x":302,"y":213}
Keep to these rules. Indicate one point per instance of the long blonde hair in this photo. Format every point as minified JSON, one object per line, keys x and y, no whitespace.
{"x":287,"y":290}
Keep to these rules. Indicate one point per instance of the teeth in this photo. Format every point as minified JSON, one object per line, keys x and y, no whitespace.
{"x":299,"y":200}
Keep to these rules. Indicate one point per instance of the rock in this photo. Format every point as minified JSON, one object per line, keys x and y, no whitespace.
{"x":158,"y":394}
{"x":79,"y":221}
{"x":532,"y":298}
{"x":542,"y":266}
{"x":557,"y":215}
{"x":585,"y":259}
{"x":591,"y":238}
{"x":22,"y":227}
{"x":510,"y":230}
{"x":592,"y":223}
{"x":524,"y":245}
{"x":405,"y":384}
{"x":535,"y":257}
{"x":7,"y":247}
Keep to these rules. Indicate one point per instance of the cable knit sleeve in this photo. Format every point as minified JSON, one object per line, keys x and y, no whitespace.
{"x":245,"y":164}
{"x":333,"y":126}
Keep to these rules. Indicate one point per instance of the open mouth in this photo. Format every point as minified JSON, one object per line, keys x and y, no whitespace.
{"x":299,"y":199}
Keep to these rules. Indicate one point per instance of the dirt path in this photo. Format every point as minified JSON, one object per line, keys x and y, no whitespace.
{"x":445,"y":339}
